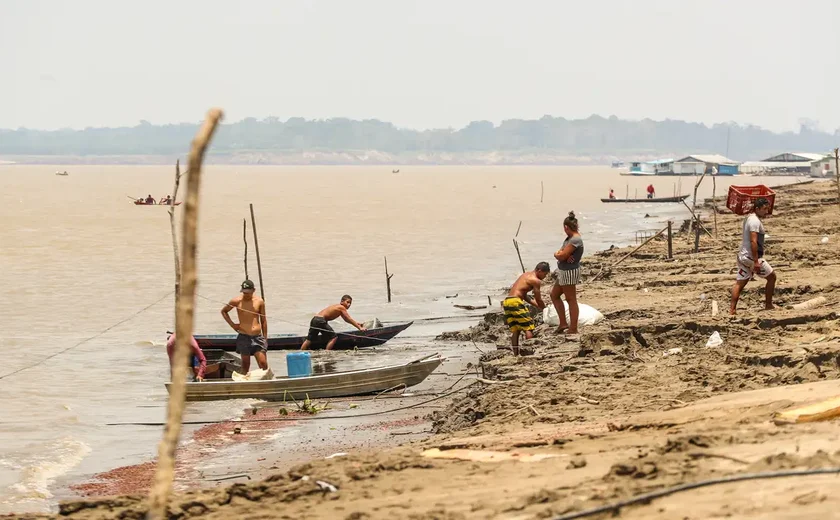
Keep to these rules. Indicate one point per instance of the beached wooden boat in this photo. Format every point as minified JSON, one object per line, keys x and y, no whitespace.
{"x":322,"y":386}
{"x":346,"y":340}
{"x":679,"y":198}
{"x":144,"y":203}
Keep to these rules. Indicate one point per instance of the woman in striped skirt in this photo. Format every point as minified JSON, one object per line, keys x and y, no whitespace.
{"x":568,"y":275}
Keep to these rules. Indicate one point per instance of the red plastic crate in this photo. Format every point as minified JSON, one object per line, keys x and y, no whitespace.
{"x":742,"y":198}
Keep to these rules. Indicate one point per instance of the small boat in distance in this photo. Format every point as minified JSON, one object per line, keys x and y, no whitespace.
{"x":395,"y":171}
{"x":144,"y":203}
{"x":319,"y":386}
{"x":62,"y":174}
{"x":679,"y":198}
{"x":346,"y":340}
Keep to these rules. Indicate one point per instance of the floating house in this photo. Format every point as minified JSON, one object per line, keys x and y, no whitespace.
{"x":782,"y":164}
{"x":657,"y":167}
{"x":824,"y":167}
{"x":700,"y":164}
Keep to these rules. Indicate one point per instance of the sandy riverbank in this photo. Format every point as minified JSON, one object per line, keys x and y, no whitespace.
{"x":611,"y":415}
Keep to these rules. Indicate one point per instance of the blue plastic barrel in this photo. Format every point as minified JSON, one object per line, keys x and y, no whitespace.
{"x":299,"y":364}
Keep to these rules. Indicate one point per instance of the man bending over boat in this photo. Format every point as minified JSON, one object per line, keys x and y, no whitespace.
{"x":252,"y":326}
{"x":197,"y":360}
{"x":517,"y":316}
{"x":319,"y":325}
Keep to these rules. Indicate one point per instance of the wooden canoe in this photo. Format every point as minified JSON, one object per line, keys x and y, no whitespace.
{"x":679,"y":198}
{"x":322,"y":386}
{"x":138,"y":203}
{"x":346,"y":340}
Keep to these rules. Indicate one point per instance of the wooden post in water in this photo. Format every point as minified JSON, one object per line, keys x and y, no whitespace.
{"x":670,"y":241}
{"x":245,"y":240}
{"x":257,"y":250}
{"x":627,"y":193}
{"x":388,"y":279}
{"x":542,"y":191}
{"x":518,"y":255}
{"x":165,"y":471}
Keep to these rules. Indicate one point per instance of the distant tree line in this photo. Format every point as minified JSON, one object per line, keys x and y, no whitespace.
{"x":595,"y":136}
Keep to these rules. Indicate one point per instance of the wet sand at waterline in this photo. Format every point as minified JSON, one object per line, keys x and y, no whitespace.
{"x":79,"y":257}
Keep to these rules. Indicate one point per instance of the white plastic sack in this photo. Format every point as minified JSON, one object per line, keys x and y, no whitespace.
{"x":587,"y":315}
{"x":254,"y":375}
{"x":714,"y":340}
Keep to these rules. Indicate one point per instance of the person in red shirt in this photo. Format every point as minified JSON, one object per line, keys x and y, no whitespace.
{"x":650,"y":191}
{"x":198,"y":360}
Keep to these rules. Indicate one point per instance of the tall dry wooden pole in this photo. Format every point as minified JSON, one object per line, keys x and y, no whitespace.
{"x":174,"y":234}
{"x":257,"y":250}
{"x":245,"y":240}
{"x":164,"y":474}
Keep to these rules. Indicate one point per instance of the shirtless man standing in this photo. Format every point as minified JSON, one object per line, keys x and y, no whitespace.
{"x":252,"y":326}
{"x":319,"y":326}
{"x":517,"y":316}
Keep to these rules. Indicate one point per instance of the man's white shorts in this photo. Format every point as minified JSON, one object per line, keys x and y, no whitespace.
{"x":746,"y":268}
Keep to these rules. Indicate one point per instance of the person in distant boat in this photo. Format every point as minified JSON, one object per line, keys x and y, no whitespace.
{"x":568,"y":276}
{"x":750,"y":259}
{"x":319,"y":325}
{"x":252,"y":326}
{"x":612,"y":193}
{"x":517,"y":316}
{"x":150,"y":199}
{"x":198,"y":362}
{"x":165,"y":200}
{"x":651,"y":192}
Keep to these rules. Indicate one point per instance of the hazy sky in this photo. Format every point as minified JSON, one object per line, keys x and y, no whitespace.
{"x":419,"y":64}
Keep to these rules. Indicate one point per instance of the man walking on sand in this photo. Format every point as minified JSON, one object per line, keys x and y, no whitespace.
{"x":517,"y":316}
{"x":252,"y":326}
{"x":750,"y":258}
{"x":319,"y":325}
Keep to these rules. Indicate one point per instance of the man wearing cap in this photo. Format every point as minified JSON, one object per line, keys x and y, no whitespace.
{"x":252,"y":326}
{"x":750,"y":258}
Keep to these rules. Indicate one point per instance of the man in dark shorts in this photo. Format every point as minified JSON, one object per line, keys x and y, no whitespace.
{"x":319,"y":326}
{"x":252,"y":326}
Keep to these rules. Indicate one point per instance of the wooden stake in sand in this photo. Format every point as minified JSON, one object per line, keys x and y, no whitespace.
{"x":837,"y":173}
{"x":257,"y":250}
{"x":670,"y":241}
{"x":625,"y":257}
{"x":162,"y":486}
{"x":245,"y":240}
{"x":178,"y":176}
{"x":714,"y":200}
{"x":388,"y":280}
{"x":694,"y":200}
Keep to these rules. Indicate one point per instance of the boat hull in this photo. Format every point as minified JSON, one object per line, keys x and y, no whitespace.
{"x":346,"y":340}
{"x":155,"y":204}
{"x":323,"y":386}
{"x":646,"y":200}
